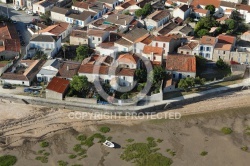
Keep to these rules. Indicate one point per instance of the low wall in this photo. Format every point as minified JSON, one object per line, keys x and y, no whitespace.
{"x":81,"y":100}
{"x":151,"y":107}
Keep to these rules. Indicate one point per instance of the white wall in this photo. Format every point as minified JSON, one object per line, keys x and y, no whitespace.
{"x":17,"y":82}
{"x":57,"y":16}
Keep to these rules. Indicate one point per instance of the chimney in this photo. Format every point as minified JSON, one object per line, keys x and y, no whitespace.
{"x":125,"y":22}
{"x":67,"y":68}
{"x":109,"y":37}
{"x":117,"y":17}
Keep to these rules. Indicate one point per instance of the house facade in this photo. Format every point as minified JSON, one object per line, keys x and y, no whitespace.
{"x":182,"y":12}
{"x":50,"y":45}
{"x":78,"y":37}
{"x":59,"y":14}
{"x":57,"y":88}
{"x":157,"y":19}
{"x":96,"y":37}
{"x":206,"y":46}
{"x":42,"y":7}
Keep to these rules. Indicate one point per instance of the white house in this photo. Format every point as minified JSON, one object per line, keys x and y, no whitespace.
{"x":157,"y":19}
{"x":60,"y":29}
{"x":182,"y":12}
{"x":181,"y":66}
{"x":201,"y":12}
{"x":165,"y":42}
{"x":96,"y":37}
{"x":154,"y":54}
{"x":26,"y":77}
{"x":131,"y":61}
{"x":80,"y":19}
{"x":48,"y":71}
{"x":128,"y":41}
{"x":50,"y":45}
{"x":58,"y":14}
{"x":42,"y":7}
{"x":206,"y":46}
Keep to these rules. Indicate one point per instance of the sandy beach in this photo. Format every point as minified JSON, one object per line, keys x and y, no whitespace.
{"x":198,"y":129}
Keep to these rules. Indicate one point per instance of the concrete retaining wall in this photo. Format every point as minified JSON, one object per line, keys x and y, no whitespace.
{"x":151,"y":107}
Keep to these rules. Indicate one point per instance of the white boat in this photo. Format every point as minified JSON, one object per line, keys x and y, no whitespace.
{"x":109,"y":144}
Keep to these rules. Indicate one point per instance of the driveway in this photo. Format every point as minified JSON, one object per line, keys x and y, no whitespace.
{"x":22,"y":19}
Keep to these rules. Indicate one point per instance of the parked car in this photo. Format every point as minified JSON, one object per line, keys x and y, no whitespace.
{"x":7,"y":86}
{"x":27,"y":90}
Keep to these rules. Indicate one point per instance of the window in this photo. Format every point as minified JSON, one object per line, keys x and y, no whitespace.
{"x":123,"y":78}
{"x":188,"y":75}
{"x":194,"y":53}
{"x":156,"y":44}
{"x":208,"y":48}
{"x":164,"y":45}
{"x":22,"y":82}
{"x":201,"y":48}
{"x":99,"y":39}
{"x":173,"y":75}
{"x":93,"y":38}
{"x":181,"y":52}
{"x":207,"y":55}
{"x":224,"y":52}
{"x":187,"y":52}
{"x":238,"y":59}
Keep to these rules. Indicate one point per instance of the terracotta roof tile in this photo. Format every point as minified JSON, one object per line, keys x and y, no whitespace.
{"x":182,"y":63}
{"x":226,"y":39}
{"x":154,"y":50}
{"x":189,"y":46}
{"x":203,"y":11}
{"x":68,"y":69}
{"x":128,"y":58}
{"x":162,"y":38}
{"x":216,"y":3}
{"x":208,"y":40}
{"x":82,"y":5}
{"x":222,"y":46}
{"x":58,"y":85}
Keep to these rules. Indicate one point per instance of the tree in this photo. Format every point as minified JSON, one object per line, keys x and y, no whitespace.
{"x":190,"y":81}
{"x":211,"y":8}
{"x":235,"y":15}
{"x":147,"y":9}
{"x":64,"y":49}
{"x":231,"y":24}
{"x":158,"y":74}
{"x":202,"y":32}
{"x":138,"y":13}
{"x":205,"y":23}
{"x":141,"y":75}
{"x":183,"y":84}
{"x":199,"y":81}
{"x":81,"y":52}
{"x":40,"y":55}
{"x":46,"y":18}
{"x":79,"y":83}
{"x":221,"y":64}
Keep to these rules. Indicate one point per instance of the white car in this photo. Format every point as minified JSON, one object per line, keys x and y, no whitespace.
{"x":29,"y":12}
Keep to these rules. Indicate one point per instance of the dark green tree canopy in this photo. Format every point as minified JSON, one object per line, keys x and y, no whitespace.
{"x":79,"y":83}
{"x":82,"y":52}
{"x":211,"y":8}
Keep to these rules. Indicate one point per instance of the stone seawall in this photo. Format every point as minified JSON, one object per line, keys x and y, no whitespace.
{"x":151,"y":107}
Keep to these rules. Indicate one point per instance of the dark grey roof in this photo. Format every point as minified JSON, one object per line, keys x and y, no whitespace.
{"x":59,"y":10}
{"x":186,"y":30}
{"x":82,"y":16}
{"x":97,"y":7}
{"x":167,"y":28}
{"x":119,"y":19}
{"x":135,"y":34}
{"x":44,"y":38}
{"x":46,"y":4}
{"x":184,"y":7}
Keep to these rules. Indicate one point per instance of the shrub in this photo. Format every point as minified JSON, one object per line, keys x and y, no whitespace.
{"x":104,"y":129}
{"x":72,"y":156}
{"x":44,"y":144}
{"x":7,"y":160}
{"x":82,"y":152}
{"x":40,"y":151}
{"x":109,"y":138}
{"x":204,"y":153}
{"x":244,"y":148}
{"x":81,"y":137}
{"x":226,"y":130}
{"x":130,"y":140}
{"x":44,"y":159}
{"x":38,"y":157}
{"x":159,"y":140}
{"x":150,"y":139}
{"x":77,"y":147}
{"x":46,"y":154}
{"x":62,"y":163}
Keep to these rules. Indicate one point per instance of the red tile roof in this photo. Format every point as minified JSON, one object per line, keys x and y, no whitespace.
{"x":182,"y":63}
{"x":226,"y":39}
{"x":162,"y":38}
{"x":154,"y":50}
{"x":216,"y":3}
{"x":58,"y":85}
{"x":208,"y":40}
{"x":189,"y":46}
{"x":128,"y":58}
{"x":83,"y":5}
{"x":9,"y":36}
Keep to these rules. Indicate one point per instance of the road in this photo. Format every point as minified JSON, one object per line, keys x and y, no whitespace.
{"x":22,"y":19}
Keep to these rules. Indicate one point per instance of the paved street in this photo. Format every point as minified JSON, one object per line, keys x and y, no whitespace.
{"x":22,"y":19}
